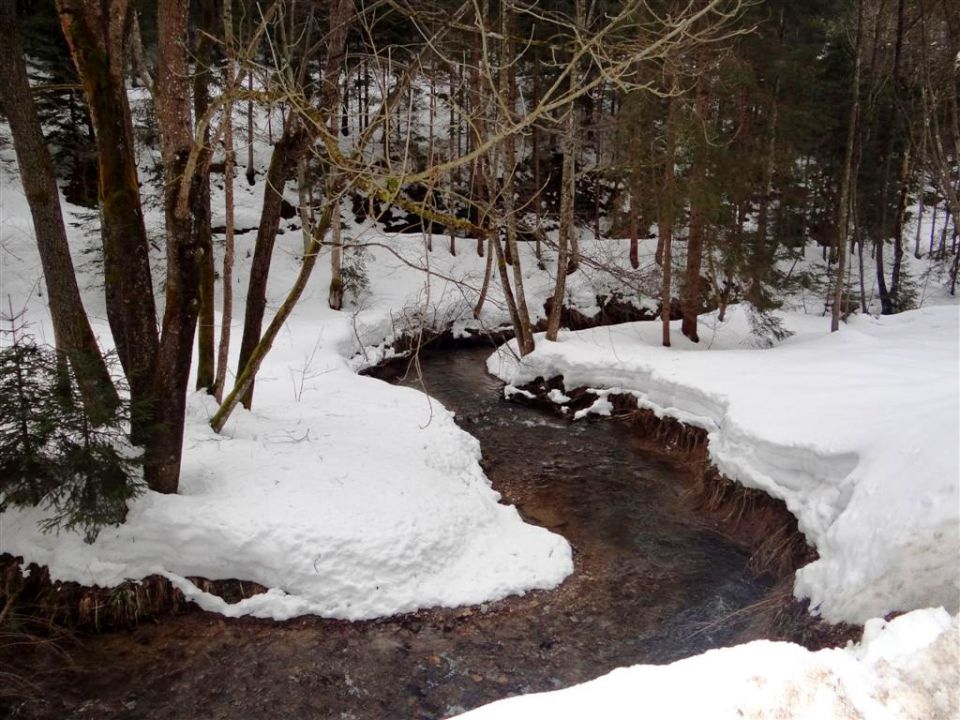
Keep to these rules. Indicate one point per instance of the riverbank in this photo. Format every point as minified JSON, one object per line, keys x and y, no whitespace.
{"x":850,"y":430}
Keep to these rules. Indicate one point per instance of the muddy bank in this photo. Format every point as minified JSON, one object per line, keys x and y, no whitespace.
{"x":656,"y":579}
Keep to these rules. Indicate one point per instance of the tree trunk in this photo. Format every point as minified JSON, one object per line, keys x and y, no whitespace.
{"x":73,"y":335}
{"x":898,"y":222}
{"x":226,"y":312}
{"x":478,"y":180}
{"x":251,"y":170}
{"x":294,"y":144}
{"x":204,"y":54}
{"x":691,"y":291}
{"x":565,"y":233}
{"x":485,"y":286}
{"x":667,"y":213}
{"x":635,"y":218}
{"x":508,"y":92}
{"x":844,"y":210}
{"x":245,"y":379}
{"x":185,"y":251}
{"x":96,"y":33}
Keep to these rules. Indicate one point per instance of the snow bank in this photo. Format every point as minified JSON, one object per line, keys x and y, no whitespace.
{"x":904,"y":669}
{"x":343,"y":495}
{"x":360,"y":503}
{"x":855,"y":431}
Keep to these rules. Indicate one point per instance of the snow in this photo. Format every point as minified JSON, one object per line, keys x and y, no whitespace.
{"x":343,"y":495}
{"x":904,"y":669}
{"x":351,"y":498}
{"x":855,"y":431}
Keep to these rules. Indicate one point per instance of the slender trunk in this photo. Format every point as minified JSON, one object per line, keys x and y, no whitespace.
{"x":306,"y":206}
{"x":508,"y":90}
{"x":844,"y":211}
{"x":335,"y":295}
{"x":226,"y":314}
{"x":858,"y":240}
{"x":251,"y":170}
{"x":566,"y":231}
{"x":667,"y":213}
{"x":635,"y":218}
{"x":485,"y":287}
{"x":478,"y":181}
{"x":888,"y":294}
{"x":73,"y":335}
{"x":293,"y":145}
{"x":691,"y":291}
{"x":206,"y":331}
{"x":898,"y":222}
{"x":535,"y":159}
{"x":246,"y":377}
{"x":452,"y":155}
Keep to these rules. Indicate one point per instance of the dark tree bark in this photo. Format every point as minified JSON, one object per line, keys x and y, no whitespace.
{"x":667,"y":212}
{"x":846,"y":181}
{"x":635,"y":191}
{"x":73,"y":335}
{"x":295,"y":142}
{"x":565,"y":233}
{"x":692,"y":292}
{"x":206,"y":332}
{"x":226,"y":312}
{"x":517,"y":301}
{"x":96,"y":33}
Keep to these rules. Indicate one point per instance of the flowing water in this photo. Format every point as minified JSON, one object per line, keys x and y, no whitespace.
{"x":653,"y":583}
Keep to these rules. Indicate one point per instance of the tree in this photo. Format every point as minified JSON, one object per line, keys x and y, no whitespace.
{"x":845,"y":183}
{"x":156,"y":364}
{"x":74,"y":337}
{"x":294,"y":144}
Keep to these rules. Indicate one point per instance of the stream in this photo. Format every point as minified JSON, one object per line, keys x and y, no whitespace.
{"x":653,"y":583}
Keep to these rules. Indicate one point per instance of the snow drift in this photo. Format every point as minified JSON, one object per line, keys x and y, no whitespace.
{"x":902,"y":670}
{"x":855,"y":431}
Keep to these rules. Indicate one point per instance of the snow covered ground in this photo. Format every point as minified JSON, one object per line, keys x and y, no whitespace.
{"x":902,"y":670}
{"x":856,"y":431}
{"x":351,"y":498}
{"x":345,"y":496}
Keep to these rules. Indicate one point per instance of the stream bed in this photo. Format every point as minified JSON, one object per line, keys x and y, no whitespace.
{"x":653,"y":583}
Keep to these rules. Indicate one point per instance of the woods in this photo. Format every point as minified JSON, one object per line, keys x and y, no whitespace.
{"x":743,"y":137}
{"x":386,"y":359}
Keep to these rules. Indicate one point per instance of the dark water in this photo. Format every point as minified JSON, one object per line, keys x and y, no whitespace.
{"x":652,"y":584}
{"x":620,"y":508}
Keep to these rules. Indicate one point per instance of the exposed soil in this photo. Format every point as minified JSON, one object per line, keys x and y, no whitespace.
{"x":655,"y":580}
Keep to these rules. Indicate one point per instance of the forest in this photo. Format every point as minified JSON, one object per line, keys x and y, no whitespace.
{"x":412,"y":317}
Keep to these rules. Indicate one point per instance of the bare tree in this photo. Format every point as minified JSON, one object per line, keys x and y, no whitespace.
{"x":71,"y":328}
{"x":843,"y":224}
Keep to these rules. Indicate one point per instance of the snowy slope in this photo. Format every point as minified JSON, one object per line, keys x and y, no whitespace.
{"x":856,"y":431}
{"x":902,"y":670}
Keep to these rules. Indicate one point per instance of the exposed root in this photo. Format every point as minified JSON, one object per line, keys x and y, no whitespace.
{"x":53,"y":604}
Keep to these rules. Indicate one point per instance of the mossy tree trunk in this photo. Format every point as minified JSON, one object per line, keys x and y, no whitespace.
{"x":97,"y":33}
{"x":72,"y":332}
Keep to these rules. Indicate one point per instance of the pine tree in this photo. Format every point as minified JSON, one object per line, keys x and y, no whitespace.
{"x":51,"y":453}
